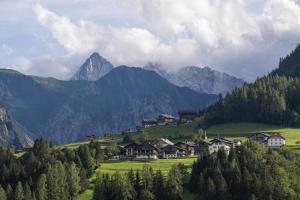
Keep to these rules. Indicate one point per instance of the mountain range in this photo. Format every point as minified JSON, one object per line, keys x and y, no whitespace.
{"x":203,"y":80}
{"x":66,"y":111}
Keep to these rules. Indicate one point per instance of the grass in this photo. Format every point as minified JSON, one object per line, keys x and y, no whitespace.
{"x":86,"y":195}
{"x":164,"y":165}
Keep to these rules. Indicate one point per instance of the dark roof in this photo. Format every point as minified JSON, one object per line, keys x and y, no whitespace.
{"x":169,"y":148}
{"x":187,"y":112}
{"x":146,"y":146}
{"x":131,"y":145}
{"x":149,"y":121}
{"x":259,"y":135}
{"x":186,"y":143}
{"x":222,"y":140}
{"x":203,"y":143}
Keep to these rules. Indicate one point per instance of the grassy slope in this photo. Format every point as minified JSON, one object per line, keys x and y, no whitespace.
{"x":230,"y":131}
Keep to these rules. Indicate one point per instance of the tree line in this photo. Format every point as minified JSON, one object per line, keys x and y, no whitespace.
{"x":271,"y":99}
{"x":145,"y":184}
{"x":249,"y":172}
{"x":46,"y":173}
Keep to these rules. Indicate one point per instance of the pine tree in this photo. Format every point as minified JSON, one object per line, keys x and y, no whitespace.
{"x":158,"y":185}
{"x":210,"y":189}
{"x":2,"y":193}
{"x":19,"y":192}
{"x":41,"y":190}
{"x":146,"y":195}
{"x":27,"y":192}
{"x":73,"y":180}
{"x":174,"y":184}
{"x":9,"y":192}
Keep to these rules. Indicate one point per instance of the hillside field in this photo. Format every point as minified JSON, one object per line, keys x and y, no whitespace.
{"x":112,"y":167}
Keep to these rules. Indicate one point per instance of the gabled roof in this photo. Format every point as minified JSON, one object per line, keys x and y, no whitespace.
{"x":167,"y":116}
{"x":169,"y":148}
{"x":259,"y":135}
{"x":187,"y":112}
{"x":221,"y":140}
{"x":146,"y":146}
{"x":276,"y":135}
{"x":149,"y":121}
{"x":186,"y":143}
{"x":202,"y":142}
{"x":131,"y":145}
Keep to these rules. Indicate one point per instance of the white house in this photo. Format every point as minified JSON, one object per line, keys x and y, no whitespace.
{"x":275,"y":141}
{"x":218,"y":144}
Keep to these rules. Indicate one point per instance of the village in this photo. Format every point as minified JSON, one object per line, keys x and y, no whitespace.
{"x":164,"y":148}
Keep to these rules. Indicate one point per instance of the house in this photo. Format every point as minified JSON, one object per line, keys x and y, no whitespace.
{"x":187,"y":116}
{"x":270,"y":140}
{"x":260,"y":137}
{"x":119,"y":154}
{"x":131,"y":150}
{"x":165,"y":119}
{"x":275,"y":141}
{"x":149,"y":123}
{"x":220,"y":143}
{"x":161,"y":142}
{"x":189,"y":146}
{"x":146,"y":151}
{"x":202,"y":148}
{"x":170,"y":151}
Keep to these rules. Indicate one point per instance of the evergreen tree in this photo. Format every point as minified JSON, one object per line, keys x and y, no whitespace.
{"x":158,"y":185}
{"x":174,"y":184}
{"x":2,"y":193}
{"x":19,"y":193}
{"x":9,"y":192}
{"x":41,"y":190}
{"x":27,"y":192}
{"x":146,"y":195}
{"x":73,"y":180}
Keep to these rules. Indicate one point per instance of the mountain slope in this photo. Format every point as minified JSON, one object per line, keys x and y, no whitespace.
{"x":66,"y":111}
{"x":12,"y":133}
{"x":93,"y":68}
{"x":290,"y":65}
{"x":203,"y":80}
{"x":271,"y":99}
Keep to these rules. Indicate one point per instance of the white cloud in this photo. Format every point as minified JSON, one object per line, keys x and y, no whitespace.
{"x":241,"y":37}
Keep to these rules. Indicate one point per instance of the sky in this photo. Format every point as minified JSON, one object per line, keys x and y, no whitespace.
{"x":244,"y":38}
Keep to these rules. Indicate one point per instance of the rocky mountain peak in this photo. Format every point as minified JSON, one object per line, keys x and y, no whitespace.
{"x":94,"y":68}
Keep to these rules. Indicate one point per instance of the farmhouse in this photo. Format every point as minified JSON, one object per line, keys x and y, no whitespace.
{"x":170,"y":151}
{"x":187,"y":116}
{"x":131,"y":150}
{"x":202,"y":148}
{"x":149,"y":123}
{"x":275,"y":141}
{"x":161,"y":142}
{"x":146,"y":151}
{"x":189,"y":146}
{"x":165,"y":119}
{"x":220,"y":143}
{"x":270,"y":140}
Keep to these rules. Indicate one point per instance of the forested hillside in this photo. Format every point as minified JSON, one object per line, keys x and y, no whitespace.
{"x":271,"y":99}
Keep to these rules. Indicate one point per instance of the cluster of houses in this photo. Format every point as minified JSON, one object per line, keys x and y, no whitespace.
{"x":185,"y":117}
{"x":270,"y":140}
{"x":164,"y":148}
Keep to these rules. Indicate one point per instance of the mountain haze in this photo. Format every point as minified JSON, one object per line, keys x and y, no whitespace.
{"x":203,"y":80}
{"x":66,"y":111}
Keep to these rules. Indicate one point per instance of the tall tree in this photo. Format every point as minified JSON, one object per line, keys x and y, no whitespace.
{"x":2,"y":193}
{"x":174,"y":185}
{"x":41,"y":189}
{"x":19,"y":192}
{"x":73,"y":180}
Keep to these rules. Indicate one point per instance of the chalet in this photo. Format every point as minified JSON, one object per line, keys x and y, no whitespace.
{"x":170,"y":151}
{"x":275,"y":141}
{"x":202,"y":148}
{"x":131,"y":150}
{"x":149,"y":123}
{"x":119,"y":154}
{"x":187,"y":116}
{"x":189,"y":146}
{"x":161,"y":142}
{"x":165,"y":119}
{"x":260,"y":137}
{"x":220,"y":143}
{"x":146,"y":151}
{"x":270,"y":140}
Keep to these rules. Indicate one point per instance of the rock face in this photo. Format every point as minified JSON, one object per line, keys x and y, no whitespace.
{"x":66,"y":111}
{"x":12,"y":133}
{"x":93,"y":68}
{"x":203,"y":80}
